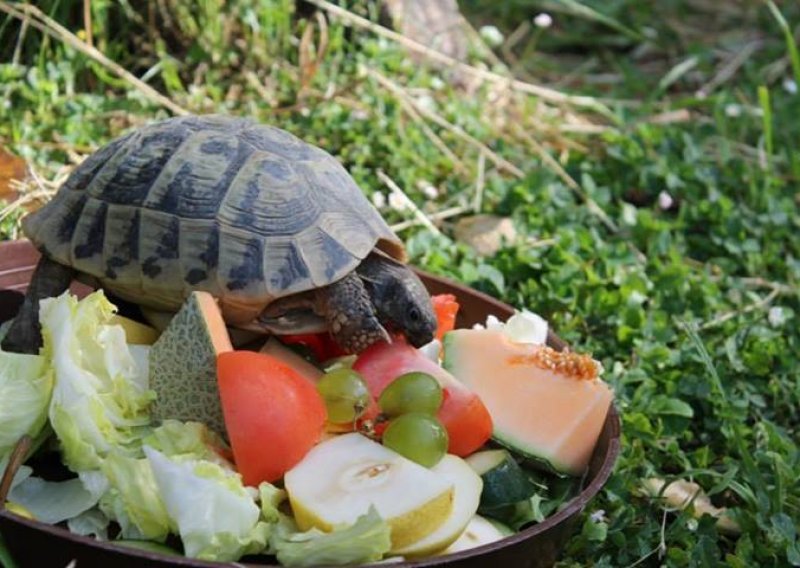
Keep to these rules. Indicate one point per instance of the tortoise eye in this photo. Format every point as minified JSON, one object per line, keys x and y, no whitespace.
{"x":413,"y":314}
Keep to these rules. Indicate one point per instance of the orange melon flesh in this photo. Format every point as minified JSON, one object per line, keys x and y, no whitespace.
{"x":540,"y":413}
{"x":183,"y":364}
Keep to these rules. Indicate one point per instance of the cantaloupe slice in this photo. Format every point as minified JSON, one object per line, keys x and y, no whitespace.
{"x":544,"y":404}
{"x":183,"y":364}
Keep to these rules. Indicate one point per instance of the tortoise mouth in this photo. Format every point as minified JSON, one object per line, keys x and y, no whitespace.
{"x":415,"y":338}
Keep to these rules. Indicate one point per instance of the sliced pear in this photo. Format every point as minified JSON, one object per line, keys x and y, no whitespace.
{"x":136,"y":333}
{"x":468,"y":486}
{"x":18,"y":509}
{"x":479,"y":531}
{"x":340,"y":478}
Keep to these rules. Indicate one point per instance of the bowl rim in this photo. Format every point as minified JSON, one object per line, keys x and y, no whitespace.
{"x":573,"y":507}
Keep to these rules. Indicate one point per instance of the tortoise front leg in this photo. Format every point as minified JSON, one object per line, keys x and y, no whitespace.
{"x":49,"y":279}
{"x":351,"y":317}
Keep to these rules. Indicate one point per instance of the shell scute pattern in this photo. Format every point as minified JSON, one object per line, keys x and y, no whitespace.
{"x":130,"y":172}
{"x":161,"y":277}
{"x":196,"y":179}
{"x":245,"y":211}
{"x":166,"y":247}
{"x":250,"y":269}
{"x":199,"y":252}
{"x":83,"y":175}
{"x":122,"y":245}
{"x":290,"y":267}
{"x":269,"y":199}
{"x":280,"y":143}
{"x":95,"y":229}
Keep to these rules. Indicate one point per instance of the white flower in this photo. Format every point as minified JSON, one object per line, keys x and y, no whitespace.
{"x":598,"y":516}
{"x":428,"y":190}
{"x":636,"y":298}
{"x":427,"y":103}
{"x":543,"y":20}
{"x":397,"y":202}
{"x":379,"y":200}
{"x":492,"y":35}
{"x":790,"y":86}
{"x":776,"y":316}
{"x":665,"y":200}
{"x":629,"y":214}
{"x":733,"y":110}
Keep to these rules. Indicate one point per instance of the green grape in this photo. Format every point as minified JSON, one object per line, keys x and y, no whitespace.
{"x":412,"y":392}
{"x":417,"y":436}
{"x":345,"y":394}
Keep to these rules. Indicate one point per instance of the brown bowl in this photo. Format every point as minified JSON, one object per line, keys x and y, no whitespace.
{"x":35,"y":544}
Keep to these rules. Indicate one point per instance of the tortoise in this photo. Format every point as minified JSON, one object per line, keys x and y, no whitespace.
{"x":273,"y":227}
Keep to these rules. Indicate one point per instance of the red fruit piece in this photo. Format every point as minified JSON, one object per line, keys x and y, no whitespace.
{"x":273,"y":415}
{"x":462,"y":413}
{"x":446,"y":308}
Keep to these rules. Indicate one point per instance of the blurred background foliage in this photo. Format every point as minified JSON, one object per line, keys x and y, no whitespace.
{"x":652,"y":192}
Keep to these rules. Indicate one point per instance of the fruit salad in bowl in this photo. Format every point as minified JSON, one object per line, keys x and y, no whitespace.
{"x":288,"y":451}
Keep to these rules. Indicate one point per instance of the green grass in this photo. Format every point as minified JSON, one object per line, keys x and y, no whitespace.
{"x":673,"y":255}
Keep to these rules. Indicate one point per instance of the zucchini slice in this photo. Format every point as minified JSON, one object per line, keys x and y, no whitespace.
{"x":504,"y":481}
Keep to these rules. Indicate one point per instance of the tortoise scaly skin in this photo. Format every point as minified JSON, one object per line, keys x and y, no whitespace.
{"x":273,"y":227}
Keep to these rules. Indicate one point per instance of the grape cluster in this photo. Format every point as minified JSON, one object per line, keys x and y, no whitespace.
{"x":411,"y":402}
{"x":345,"y":394}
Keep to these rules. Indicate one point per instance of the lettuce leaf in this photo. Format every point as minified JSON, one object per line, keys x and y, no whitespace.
{"x":90,"y":523}
{"x":195,"y":439}
{"x":216,"y":517}
{"x":26,"y":384}
{"x":134,"y":499}
{"x":366,"y":540}
{"x":52,"y":501}
{"x":100,"y":396}
{"x":270,"y":497}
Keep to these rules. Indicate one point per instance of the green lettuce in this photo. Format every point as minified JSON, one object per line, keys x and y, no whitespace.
{"x":133,"y":499}
{"x":26,"y":384}
{"x":216,"y":517}
{"x":270,"y":497}
{"x":194,"y":439}
{"x":52,"y":501}
{"x":100,"y":396}
{"x":366,"y":540}
{"x":90,"y":523}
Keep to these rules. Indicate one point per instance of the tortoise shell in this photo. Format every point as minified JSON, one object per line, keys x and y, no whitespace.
{"x":247,"y":212}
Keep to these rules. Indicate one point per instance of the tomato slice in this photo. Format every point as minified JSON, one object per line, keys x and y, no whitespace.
{"x":446,"y":308}
{"x":273,"y":415}
{"x":321,"y":345}
{"x":462,"y":413}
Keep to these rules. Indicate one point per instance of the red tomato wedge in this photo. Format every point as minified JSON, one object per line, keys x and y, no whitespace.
{"x":321,"y":345}
{"x":446,"y":308}
{"x":463,"y":414}
{"x":273,"y":415}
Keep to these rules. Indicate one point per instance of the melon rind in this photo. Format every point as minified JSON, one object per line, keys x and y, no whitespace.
{"x":552,"y":419}
{"x":183,"y":364}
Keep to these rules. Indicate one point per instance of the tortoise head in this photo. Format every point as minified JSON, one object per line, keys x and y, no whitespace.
{"x":400,"y":299}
